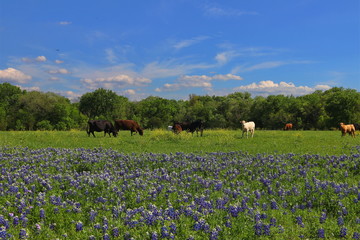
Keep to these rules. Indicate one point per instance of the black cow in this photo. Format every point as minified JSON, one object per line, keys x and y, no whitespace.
{"x":189,"y":126}
{"x":101,"y":125}
{"x":357,"y":126}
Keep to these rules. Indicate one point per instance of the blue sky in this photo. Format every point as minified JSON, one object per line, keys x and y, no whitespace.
{"x":173,"y":48}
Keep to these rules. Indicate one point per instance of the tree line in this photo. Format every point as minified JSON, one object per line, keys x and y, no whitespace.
{"x":34,"y":110}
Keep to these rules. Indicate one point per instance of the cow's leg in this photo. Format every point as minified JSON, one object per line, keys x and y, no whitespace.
{"x":93,"y":133}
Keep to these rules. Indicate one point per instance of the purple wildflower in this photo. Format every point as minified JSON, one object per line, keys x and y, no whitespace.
{"x":79,"y":226}
{"x":340,"y":221}
{"x":266,"y":229}
{"x":323,"y":217}
{"x":164,"y":232}
{"x":258,"y":228}
{"x":23,"y":234}
{"x":92,"y":215}
{"x":343,"y":232}
{"x":321,"y":233}
{"x":356,"y":235}
{"x":106,"y":236}
{"x":42,"y":213}
{"x":274,"y":205}
{"x":299,"y":221}
{"x":214,"y":234}
{"x":115,"y":232}
{"x":154,"y":236}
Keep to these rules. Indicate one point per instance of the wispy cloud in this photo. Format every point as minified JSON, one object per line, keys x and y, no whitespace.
{"x":202,"y":81}
{"x":34,"y":60}
{"x":188,"y":42}
{"x":266,"y":65}
{"x":64,"y":23}
{"x":171,"y":68}
{"x":217,"y":11}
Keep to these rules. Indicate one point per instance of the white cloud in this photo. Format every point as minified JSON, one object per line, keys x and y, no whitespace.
{"x":202,"y":81}
{"x":14,"y":75}
{"x":225,"y":57}
{"x":226,"y":12}
{"x":110,"y":55}
{"x":59,"y":61}
{"x":30,"y":89}
{"x":189,"y":42}
{"x":65,"y":23}
{"x":34,"y":60}
{"x":170,"y":69}
{"x":115,"y":82}
{"x":130,"y":92}
{"x":59,"y":71}
{"x":266,"y":88}
{"x":266,"y":65}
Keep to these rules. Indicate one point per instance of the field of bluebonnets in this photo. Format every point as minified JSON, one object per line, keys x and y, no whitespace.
{"x":104,"y":193}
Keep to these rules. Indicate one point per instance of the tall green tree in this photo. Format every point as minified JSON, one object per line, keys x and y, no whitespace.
{"x":100,"y":103}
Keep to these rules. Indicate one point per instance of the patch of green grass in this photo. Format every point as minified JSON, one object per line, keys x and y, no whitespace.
{"x":161,"y":141}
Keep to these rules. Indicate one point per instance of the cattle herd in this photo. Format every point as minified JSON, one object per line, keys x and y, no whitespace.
{"x":197,"y":126}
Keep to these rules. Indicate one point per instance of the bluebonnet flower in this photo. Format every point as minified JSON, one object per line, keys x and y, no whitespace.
{"x":321,"y":233}
{"x":228,"y":224}
{"x":258,"y":228}
{"x":172,"y":228}
{"x":340,"y":221}
{"x":22,"y":234}
{"x":356,"y":235}
{"x":92,"y":237}
{"x":273,"y":222}
{"x":15,"y":221}
{"x":164,"y":232}
{"x":92,"y":215}
{"x":3,"y":233}
{"x":42,"y":213}
{"x":115,"y":232}
{"x":323,"y":217}
{"x":106,"y":236}
{"x":154,"y":236}
{"x":274,"y":205}
{"x":79,"y":226}
{"x":214,"y":234}
{"x":299,"y":221}
{"x":266,"y":229}
{"x":343,"y":232}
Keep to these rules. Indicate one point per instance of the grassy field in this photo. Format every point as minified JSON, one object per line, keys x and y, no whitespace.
{"x":161,"y":141}
{"x":278,"y":185}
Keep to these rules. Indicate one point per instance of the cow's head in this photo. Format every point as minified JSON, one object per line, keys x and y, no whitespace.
{"x":114,"y":132}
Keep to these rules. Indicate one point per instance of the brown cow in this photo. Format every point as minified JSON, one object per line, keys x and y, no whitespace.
{"x":349,"y":128}
{"x":177,"y":128}
{"x":288,"y":126}
{"x":128,"y":125}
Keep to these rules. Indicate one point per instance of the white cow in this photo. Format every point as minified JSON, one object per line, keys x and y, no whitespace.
{"x":248,"y":127}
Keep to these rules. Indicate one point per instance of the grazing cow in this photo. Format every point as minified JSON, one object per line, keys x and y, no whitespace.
{"x":99,"y":126}
{"x":176,"y":128}
{"x":128,"y":125}
{"x":357,"y":126}
{"x":288,"y":126}
{"x":189,"y":126}
{"x":349,"y":128}
{"x":248,"y":127}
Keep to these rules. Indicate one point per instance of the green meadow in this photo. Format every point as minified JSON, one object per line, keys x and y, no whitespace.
{"x":162,"y":141}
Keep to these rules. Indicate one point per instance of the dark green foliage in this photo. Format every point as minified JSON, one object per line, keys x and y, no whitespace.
{"x":321,"y":110}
